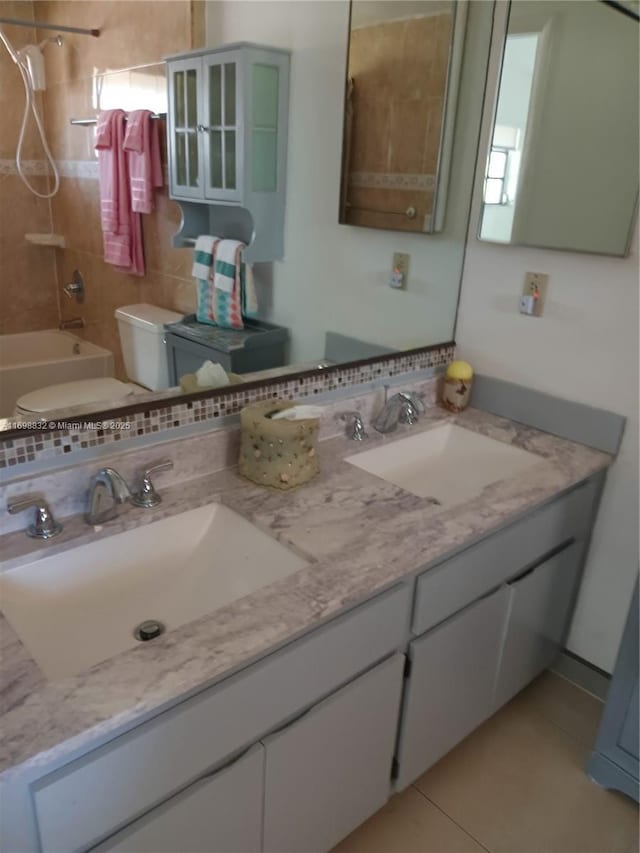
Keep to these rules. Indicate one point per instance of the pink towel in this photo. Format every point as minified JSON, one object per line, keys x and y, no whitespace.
{"x":142,"y":144}
{"x":121,"y":227}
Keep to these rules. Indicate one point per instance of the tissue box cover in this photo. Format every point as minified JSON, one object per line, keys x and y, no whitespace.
{"x":279,"y":453}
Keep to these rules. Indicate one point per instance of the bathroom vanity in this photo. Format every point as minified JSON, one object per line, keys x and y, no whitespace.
{"x":408,"y":626}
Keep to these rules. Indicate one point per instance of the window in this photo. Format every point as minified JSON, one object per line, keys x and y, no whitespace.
{"x":496,"y":178}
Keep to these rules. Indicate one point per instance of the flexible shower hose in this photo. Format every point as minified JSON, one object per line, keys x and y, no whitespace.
{"x":30,"y":105}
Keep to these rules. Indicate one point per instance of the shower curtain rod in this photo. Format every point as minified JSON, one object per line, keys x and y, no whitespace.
{"x":38,"y":25}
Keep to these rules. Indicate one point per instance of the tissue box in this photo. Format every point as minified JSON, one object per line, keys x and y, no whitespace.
{"x":279,"y":453}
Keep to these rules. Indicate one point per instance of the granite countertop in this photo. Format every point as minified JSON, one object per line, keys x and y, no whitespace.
{"x":359,"y":533}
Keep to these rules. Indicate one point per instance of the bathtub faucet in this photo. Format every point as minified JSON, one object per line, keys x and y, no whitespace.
{"x":73,"y":323}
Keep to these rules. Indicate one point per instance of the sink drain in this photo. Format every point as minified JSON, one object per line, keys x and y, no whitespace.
{"x":148,"y":630}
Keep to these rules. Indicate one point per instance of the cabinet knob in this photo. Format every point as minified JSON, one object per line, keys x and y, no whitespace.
{"x":202,"y":128}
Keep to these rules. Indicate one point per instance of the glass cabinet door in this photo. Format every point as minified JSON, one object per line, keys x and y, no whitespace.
{"x":264,"y":126}
{"x":223,"y":131}
{"x":184,"y":128}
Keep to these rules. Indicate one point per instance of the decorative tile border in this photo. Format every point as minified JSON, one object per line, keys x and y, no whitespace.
{"x":130,"y":422}
{"x":87,"y":169}
{"x":391,"y":181}
{"x":78,"y":169}
{"x":29,"y":167}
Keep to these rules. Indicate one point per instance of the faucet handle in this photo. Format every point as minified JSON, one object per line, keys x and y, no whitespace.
{"x":147,"y":497}
{"x":45,"y":526}
{"x":416,"y":400}
{"x":358,"y":432}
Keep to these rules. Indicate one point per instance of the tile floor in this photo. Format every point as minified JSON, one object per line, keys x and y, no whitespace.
{"x":516,"y":785}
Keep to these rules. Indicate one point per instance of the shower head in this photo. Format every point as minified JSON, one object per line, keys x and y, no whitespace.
{"x":32,"y":62}
{"x":58,"y":40}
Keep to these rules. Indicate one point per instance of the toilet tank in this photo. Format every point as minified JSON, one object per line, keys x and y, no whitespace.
{"x":142,"y":338}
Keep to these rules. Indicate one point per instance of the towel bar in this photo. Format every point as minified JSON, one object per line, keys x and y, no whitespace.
{"x":86,"y":122}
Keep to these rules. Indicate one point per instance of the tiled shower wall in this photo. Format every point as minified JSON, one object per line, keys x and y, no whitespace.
{"x":27,"y":273}
{"x":399,"y":75}
{"x":133,"y":34}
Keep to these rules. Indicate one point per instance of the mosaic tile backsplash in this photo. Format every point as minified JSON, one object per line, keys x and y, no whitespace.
{"x":120,"y":431}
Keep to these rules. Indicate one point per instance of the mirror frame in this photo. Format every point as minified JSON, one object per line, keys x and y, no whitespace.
{"x":113,"y":414}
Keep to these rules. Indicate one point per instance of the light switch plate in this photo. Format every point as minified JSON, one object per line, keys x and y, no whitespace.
{"x":399,"y":270}
{"x":536,"y":286}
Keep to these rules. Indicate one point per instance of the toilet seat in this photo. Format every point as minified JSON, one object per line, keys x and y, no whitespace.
{"x":82,"y":392}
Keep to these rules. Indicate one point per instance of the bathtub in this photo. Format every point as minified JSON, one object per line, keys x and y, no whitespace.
{"x":32,"y":360}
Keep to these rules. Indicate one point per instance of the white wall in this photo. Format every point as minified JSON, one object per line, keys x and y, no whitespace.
{"x":334,"y":277}
{"x":585,"y":348}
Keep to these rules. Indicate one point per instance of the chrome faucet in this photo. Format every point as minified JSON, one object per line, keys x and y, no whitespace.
{"x":44,"y":526}
{"x":108,"y":490}
{"x":404,"y":407}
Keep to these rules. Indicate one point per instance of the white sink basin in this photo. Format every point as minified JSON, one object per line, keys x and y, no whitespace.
{"x":74,"y":609}
{"x":448,"y":463}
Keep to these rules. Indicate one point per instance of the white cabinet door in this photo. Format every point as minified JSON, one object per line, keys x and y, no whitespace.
{"x":185,"y":128}
{"x":221,"y":813}
{"x":540,"y":605}
{"x":331,"y":769}
{"x":451,"y":685}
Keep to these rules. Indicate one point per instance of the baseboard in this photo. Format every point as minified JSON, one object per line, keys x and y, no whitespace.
{"x":582,"y":673}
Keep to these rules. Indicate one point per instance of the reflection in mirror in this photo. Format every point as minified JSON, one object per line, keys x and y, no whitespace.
{"x":562,"y":169}
{"x":334,"y":297}
{"x":401,"y":90}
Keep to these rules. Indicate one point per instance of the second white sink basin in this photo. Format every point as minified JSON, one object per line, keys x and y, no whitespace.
{"x":448,"y":463}
{"x":79,"y":607}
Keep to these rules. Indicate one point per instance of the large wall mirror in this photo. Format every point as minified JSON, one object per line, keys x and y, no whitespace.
{"x":562,"y":170}
{"x":403,"y":74}
{"x":329,"y":300}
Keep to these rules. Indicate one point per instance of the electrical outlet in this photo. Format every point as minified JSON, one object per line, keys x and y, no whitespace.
{"x":534,"y":293}
{"x":399,"y":270}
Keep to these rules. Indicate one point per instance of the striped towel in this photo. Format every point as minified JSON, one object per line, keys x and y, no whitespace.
{"x":225,"y":267}
{"x":202,"y":270}
{"x":225,"y":286}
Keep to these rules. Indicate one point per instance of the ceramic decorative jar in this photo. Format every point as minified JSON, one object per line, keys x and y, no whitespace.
{"x":456,"y":388}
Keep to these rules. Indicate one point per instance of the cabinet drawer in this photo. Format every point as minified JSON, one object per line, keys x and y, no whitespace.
{"x":539,"y":607}
{"x":329,"y":771}
{"x":457,"y":582}
{"x":221,"y":813}
{"x":451,"y":685}
{"x":116,"y":783}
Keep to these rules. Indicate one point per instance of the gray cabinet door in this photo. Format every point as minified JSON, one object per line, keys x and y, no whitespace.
{"x":539,"y":609}
{"x":331,"y":769}
{"x":184,"y":136}
{"x":451,"y":685}
{"x":614,"y":761}
{"x":221,"y":813}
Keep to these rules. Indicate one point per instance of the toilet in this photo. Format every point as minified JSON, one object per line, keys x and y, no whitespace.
{"x":141,"y":331}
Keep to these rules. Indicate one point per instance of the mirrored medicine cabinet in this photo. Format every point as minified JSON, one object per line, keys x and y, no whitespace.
{"x":562,"y":168}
